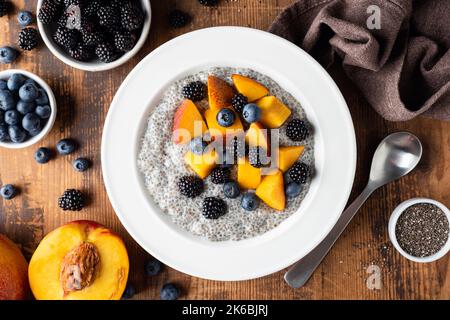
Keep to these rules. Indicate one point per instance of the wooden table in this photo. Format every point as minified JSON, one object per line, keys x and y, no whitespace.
{"x":83,"y":101}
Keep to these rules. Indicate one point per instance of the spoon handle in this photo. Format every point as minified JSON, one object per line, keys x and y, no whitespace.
{"x":301,"y":271}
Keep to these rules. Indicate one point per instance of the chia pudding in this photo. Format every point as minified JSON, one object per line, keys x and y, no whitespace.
{"x":161,"y":164}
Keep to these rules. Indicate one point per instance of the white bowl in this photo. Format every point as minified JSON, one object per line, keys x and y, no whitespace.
{"x":393,"y":222}
{"x":52,"y":103}
{"x":294,"y":70}
{"x":96,"y":65}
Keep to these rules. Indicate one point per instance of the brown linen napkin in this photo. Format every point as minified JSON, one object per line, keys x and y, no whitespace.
{"x":402,"y":68}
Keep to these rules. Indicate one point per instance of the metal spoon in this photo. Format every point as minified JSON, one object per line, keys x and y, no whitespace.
{"x":395,"y":157}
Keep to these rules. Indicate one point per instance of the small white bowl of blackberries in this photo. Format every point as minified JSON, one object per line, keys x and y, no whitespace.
{"x":27,"y":109}
{"x":94,"y":35}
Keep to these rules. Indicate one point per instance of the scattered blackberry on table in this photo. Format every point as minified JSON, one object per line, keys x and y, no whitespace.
{"x":194,"y":91}
{"x":152,"y":267}
{"x":208,"y":3}
{"x":124,"y":41}
{"x":131,"y":17}
{"x":42,"y":155}
{"x":214,"y":208}
{"x":169,"y":292}
{"x":81,"y":164}
{"x":28,"y":39}
{"x":257,"y":156}
{"x":129,"y":291}
{"x":107,"y":16}
{"x":299,"y":173}
{"x":4,"y":7}
{"x":25,"y":18}
{"x":8,"y":191}
{"x":49,"y":12}
{"x":220,"y":175}
{"x":72,"y":200}
{"x":239,"y":101}
{"x":105,"y":52}
{"x":67,"y":38}
{"x":82,"y":52}
{"x":297,"y":130}
{"x":178,"y":18}
{"x":66,"y":146}
{"x":190,"y":186}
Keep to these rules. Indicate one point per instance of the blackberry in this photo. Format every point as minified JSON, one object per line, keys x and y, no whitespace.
{"x":257,"y":156}
{"x":92,"y":8}
{"x":178,"y":18}
{"x":220,"y":175}
{"x":131,"y":17}
{"x":214,"y":208}
{"x":105,"y":52}
{"x":297,"y":130}
{"x":93,"y":38}
{"x":82,"y":52}
{"x":107,"y":16}
{"x":62,"y":21}
{"x":28,"y":39}
{"x":238,"y":102}
{"x":235,"y":149}
{"x":194,"y":91}
{"x":48,"y":13}
{"x":190,"y":186}
{"x":124,"y":41}
{"x":208,"y":3}
{"x":299,"y":173}
{"x":67,"y":38}
{"x":79,"y":3}
{"x":4,"y":7}
{"x":72,"y":200}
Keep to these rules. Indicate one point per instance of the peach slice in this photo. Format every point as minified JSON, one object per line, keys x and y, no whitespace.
{"x":188,"y":123}
{"x":287,"y":156}
{"x":250,"y":88}
{"x":220,"y":93}
{"x":249,"y":177}
{"x":257,"y":136}
{"x":13,"y":272}
{"x":201,"y":164}
{"x":216,"y":130}
{"x":81,"y":260}
{"x":271,"y":191}
{"x":273,"y":112}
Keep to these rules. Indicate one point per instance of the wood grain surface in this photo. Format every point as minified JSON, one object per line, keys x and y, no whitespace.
{"x":83,"y":100}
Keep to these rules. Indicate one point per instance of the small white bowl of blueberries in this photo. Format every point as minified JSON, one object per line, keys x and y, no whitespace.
{"x":27,"y":109}
{"x":94,"y":35}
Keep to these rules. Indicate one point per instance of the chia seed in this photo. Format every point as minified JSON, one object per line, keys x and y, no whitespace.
{"x":422,"y":230}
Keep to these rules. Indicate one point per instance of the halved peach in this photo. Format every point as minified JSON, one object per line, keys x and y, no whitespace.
{"x":273,"y":112}
{"x":271,"y":191}
{"x":202,"y":164}
{"x":81,"y":260}
{"x":287,"y":156}
{"x":256,"y":136}
{"x":249,"y":177}
{"x":220,"y":93}
{"x":250,"y":88}
{"x":188,"y":122}
{"x":13,"y":272}
{"x":215,"y":129}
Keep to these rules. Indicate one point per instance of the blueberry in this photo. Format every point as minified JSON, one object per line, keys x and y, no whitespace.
{"x":42,"y":155}
{"x":251,"y":113}
{"x":17,"y":134}
{"x":129,"y":292}
{"x":66,"y":146}
{"x":152,"y":267}
{"x":198,"y":145}
{"x":25,"y":107}
{"x":15,"y":81}
{"x":31,"y":122}
{"x":25,"y":18}
{"x":231,"y":189}
{"x":29,"y":80}
{"x":42,"y":98}
{"x":287,"y":177}
{"x":3,"y":85}
{"x":12,"y":117}
{"x":28,"y":92}
{"x":292,"y":189}
{"x":43,"y":112}
{"x":249,"y":201}
{"x":2,"y":117}
{"x":4,"y":135}
{"x":169,"y":292}
{"x":7,"y":55}
{"x":8,"y":191}
{"x":81,"y":164}
{"x":225,"y":117}
{"x":7,"y":101}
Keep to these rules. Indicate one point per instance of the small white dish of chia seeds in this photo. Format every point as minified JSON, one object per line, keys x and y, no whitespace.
{"x":419,"y":229}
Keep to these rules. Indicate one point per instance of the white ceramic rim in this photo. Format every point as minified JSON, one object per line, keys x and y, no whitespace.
{"x":52,"y":103}
{"x":292,"y":68}
{"x":97,"y":65}
{"x":393,"y":222}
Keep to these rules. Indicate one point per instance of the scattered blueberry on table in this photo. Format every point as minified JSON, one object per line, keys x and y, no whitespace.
{"x":42,"y":155}
{"x":7,"y":55}
{"x":129,"y":291}
{"x":169,"y":292}
{"x":8,"y":191}
{"x":66,"y":146}
{"x":81,"y":164}
{"x":208,"y":3}
{"x":25,"y":18}
{"x":152,"y":267}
